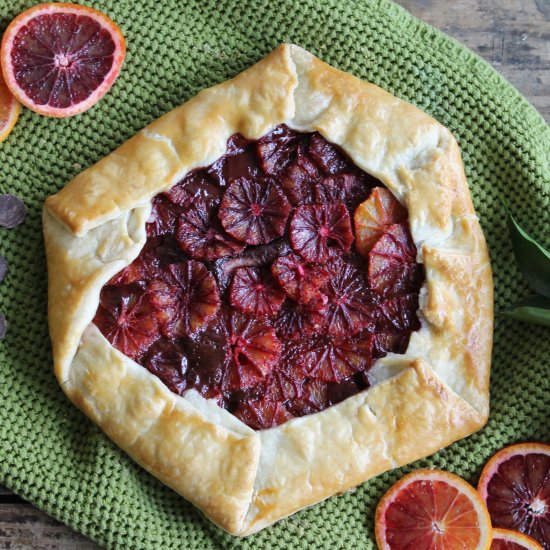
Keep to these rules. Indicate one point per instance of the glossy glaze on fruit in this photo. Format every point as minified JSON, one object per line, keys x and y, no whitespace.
{"x":250,"y":287}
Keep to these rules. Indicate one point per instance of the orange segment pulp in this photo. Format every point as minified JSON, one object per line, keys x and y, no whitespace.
{"x":9,"y":110}
{"x":374,"y":216}
{"x":432,"y":510}
{"x":515,"y":485}
{"x":59,"y":59}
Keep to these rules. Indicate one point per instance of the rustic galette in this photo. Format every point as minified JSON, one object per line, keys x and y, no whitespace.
{"x":274,"y":292}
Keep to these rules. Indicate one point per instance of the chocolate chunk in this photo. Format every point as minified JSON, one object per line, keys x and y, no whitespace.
{"x":252,"y":257}
{"x":3,"y":268}
{"x":3,"y":326}
{"x":12,"y":211}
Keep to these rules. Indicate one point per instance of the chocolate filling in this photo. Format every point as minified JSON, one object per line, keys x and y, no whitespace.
{"x":250,"y":287}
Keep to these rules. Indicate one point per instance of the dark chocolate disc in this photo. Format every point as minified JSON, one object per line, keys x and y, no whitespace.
{"x":3,"y":268}
{"x":12,"y":211}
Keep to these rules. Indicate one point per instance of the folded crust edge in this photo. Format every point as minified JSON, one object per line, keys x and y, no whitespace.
{"x":423,"y":163}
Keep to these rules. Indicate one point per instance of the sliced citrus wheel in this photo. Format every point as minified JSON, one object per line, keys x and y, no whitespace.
{"x":186,"y":300}
{"x":60,"y":59}
{"x":9,"y":110}
{"x":392,"y":262}
{"x":262,"y":413}
{"x":432,"y":510}
{"x":515,"y":484}
{"x":319,"y":231}
{"x":254,"y":210}
{"x":255,"y":292}
{"x":505,"y":539}
{"x":374,"y":216}
{"x":125,"y":316}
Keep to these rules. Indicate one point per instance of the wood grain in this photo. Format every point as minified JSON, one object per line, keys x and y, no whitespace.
{"x":24,"y":527}
{"x":513,"y":35}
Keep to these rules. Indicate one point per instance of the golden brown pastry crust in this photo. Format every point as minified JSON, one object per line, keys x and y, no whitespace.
{"x":434,"y":394}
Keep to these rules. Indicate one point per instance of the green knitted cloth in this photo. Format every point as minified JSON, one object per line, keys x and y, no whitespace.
{"x":51,"y":454}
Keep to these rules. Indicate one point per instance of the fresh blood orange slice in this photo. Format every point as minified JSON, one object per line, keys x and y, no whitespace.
{"x":515,"y":484}
{"x":432,"y":510}
{"x":9,"y":110}
{"x":60,"y":59}
{"x":374,"y":216}
{"x":504,"y":539}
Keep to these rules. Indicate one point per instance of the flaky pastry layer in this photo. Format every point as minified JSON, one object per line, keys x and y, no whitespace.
{"x":433,"y":395}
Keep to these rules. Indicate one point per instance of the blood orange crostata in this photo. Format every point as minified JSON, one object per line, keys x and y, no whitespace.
{"x":274,"y":292}
{"x":250,"y":287}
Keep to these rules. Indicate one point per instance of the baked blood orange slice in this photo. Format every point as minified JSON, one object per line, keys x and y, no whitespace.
{"x":295,"y":320}
{"x":299,"y":179}
{"x":320,"y":231}
{"x":163,"y":217}
{"x":276,"y":149}
{"x":374,"y":216}
{"x":254,"y":211}
{"x":347,"y":293}
{"x":262,"y":413}
{"x":255,"y":293}
{"x":332,"y":359}
{"x":504,"y":539}
{"x":515,"y":484}
{"x":314,"y":398}
{"x":127,"y":319}
{"x":392,"y":262}
{"x":254,"y":351}
{"x":200,"y":234}
{"x":9,"y":110}
{"x":432,"y":510}
{"x":186,"y":299}
{"x":60,"y":59}
{"x":300,"y":280}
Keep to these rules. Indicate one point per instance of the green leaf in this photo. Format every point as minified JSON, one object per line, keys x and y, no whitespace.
{"x":534,"y":309}
{"x":532,"y":258}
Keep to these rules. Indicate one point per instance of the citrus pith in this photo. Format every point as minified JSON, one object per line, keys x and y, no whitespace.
{"x":505,"y":539}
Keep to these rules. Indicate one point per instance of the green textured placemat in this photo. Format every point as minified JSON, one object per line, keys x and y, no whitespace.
{"x":51,"y":454}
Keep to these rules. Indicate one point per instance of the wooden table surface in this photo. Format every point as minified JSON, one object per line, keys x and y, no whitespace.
{"x":513,"y":35}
